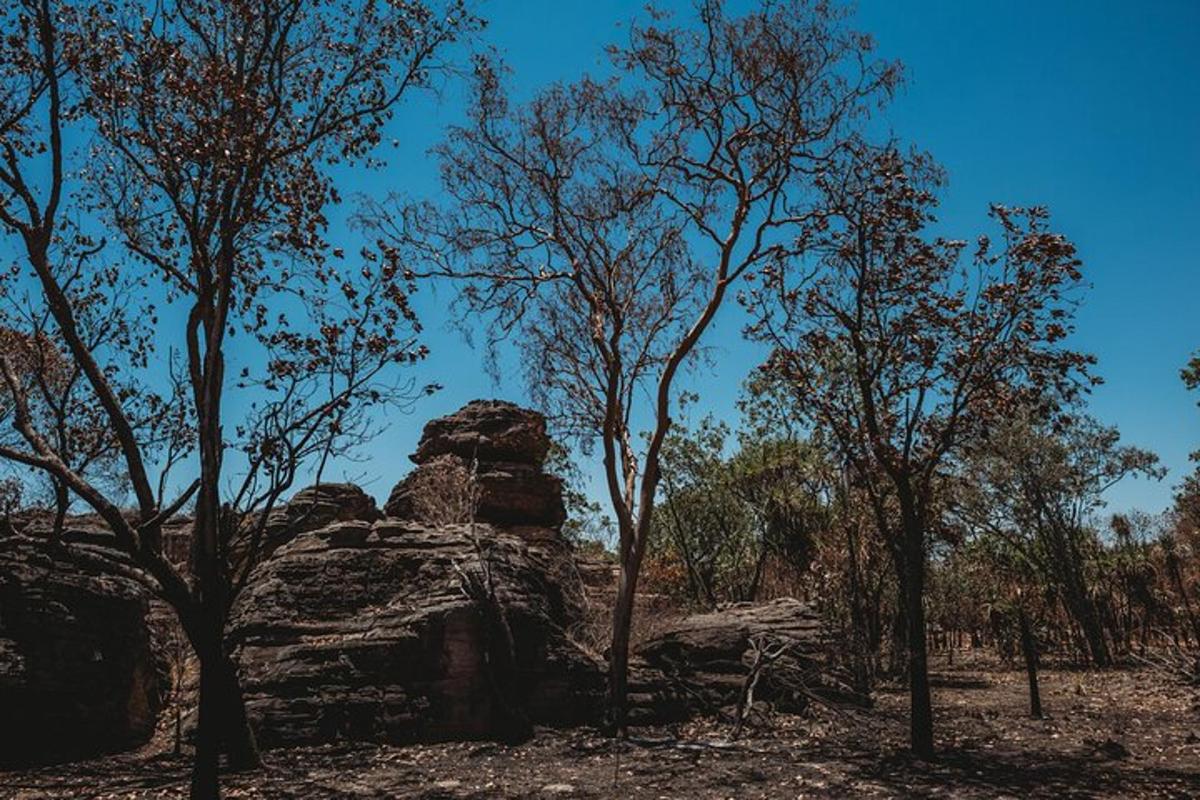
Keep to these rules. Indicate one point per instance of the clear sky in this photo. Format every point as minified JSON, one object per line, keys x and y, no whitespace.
{"x":1090,"y":108}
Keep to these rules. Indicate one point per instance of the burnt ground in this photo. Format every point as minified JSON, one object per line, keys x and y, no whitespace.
{"x":1109,"y":734}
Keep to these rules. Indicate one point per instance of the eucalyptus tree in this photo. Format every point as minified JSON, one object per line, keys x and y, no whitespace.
{"x":216,"y":130}
{"x":602,"y":224}
{"x":900,"y":352}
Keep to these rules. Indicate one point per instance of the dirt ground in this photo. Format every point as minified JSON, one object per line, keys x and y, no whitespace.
{"x":1110,"y":734}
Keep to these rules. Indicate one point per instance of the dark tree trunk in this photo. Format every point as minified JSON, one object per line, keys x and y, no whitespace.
{"x":858,"y":617}
{"x":1177,"y":578}
{"x":1085,"y":613}
{"x":898,"y":658}
{"x":222,"y":726}
{"x":62,"y":500}
{"x":206,"y":764}
{"x":1029,"y":648}
{"x":921,"y":702}
{"x":1076,"y":595}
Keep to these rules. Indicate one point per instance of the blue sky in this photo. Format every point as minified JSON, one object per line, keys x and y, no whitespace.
{"x":1089,"y":108}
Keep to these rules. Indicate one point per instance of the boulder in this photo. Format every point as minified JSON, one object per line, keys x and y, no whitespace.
{"x":447,"y":619}
{"x":598,"y":572}
{"x":487,"y":430}
{"x":699,"y":664}
{"x":482,"y":463}
{"x":78,"y":675}
{"x":396,"y":631}
{"x":309,"y":509}
{"x":505,"y":493}
{"x":38,"y":523}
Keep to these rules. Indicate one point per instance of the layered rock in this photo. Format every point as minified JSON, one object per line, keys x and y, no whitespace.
{"x":308,"y":510}
{"x":484,"y":462}
{"x":91,"y":529}
{"x":78,"y":675}
{"x":412,"y":628}
{"x":487,"y":430}
{"x":700,"y":663}
{"x":376,"y":632}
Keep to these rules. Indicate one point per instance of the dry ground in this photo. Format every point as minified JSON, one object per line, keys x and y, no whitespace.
{"x":1111,"y":734}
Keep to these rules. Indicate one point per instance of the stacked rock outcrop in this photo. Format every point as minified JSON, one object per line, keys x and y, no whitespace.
{"x":78,"y":674}
{"x":416,"y":628}
{"x":496,"y":450}
{"x":447,"y":616}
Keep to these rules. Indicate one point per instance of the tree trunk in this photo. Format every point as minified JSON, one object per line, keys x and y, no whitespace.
{"x":222,"y":725}
{"x":618,"y":660}
{"x":921,"y":714}
{"x":898,"y":657}
{"x":206,"y":764}
{"x":1177,"y":577}
{"x":1085,"y":613}
{"x":858,"y":624}
{"x":1076,"y":594}
{"x":1029,"y":648}
{"x":62,"y":500}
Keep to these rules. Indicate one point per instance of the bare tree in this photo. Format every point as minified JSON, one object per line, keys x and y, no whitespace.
{"x":108,"y":321}
{"x":900,"y":353}
{"x":216,"y":127}
{"x":602,"y":224}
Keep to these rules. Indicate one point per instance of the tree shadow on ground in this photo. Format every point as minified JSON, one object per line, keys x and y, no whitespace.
{"x":945,"y":681}
{"x":127,"y":772}
{"x":1024,"y":774}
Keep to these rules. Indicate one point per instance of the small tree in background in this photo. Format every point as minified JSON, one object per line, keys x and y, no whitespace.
{"x":1180,"y":543}
{"x":1187,"y":498}
{"x":1038,"y":490}
{"x":727,"y":517}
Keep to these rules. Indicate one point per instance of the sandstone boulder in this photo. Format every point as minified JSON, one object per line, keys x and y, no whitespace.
{"x":487,"y":430}
{"x":482,"y":463}
{"x":398,"y":632}
{"x":78,"y":676}
{"x":699,"y":664}
{"x":309,"y":509}
{"x":448,"y":619}
{"x":503,"y":493}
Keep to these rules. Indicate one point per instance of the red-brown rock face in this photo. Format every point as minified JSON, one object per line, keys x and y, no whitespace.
{"x":448,"y":619}
{"x":493,"y":450}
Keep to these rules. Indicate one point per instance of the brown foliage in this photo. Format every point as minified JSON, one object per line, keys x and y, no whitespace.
{"x":602,"y":224}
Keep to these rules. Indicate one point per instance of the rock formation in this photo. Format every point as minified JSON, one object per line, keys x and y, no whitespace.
{"x":496,"y":451}
{"x":78,"y":675}
{"x":406,"y":629}
{"x":453,"y":616}
{"x":310,"y":509}
{"x":700,"y":663}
